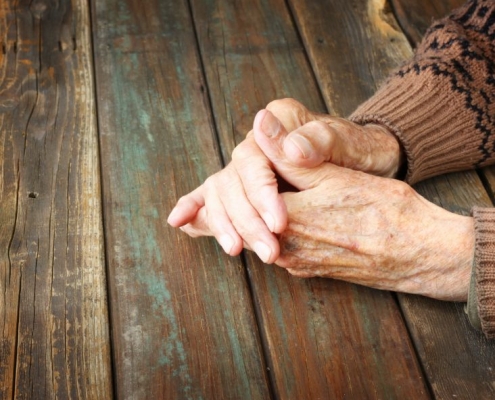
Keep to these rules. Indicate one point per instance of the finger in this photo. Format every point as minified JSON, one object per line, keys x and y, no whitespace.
{"x":370,"y":148}
{"x":248,"y":224}
{"x":312,"y":144}
{"x":260,"y":184}
{"x":186,"y":208}
{"x":312,"y":138}
{"x":198,"y":226}
{"x":219,"y":222}
{"x":270,"y":135}
{"x":291,"y":113}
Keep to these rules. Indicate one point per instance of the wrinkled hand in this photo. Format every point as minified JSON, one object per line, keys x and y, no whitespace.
{"x":241,"y":206}
{"x":369,"y":230}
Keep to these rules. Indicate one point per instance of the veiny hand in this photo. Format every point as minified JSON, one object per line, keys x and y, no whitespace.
{"x":241,"y":205}
{"x":369,"y":230}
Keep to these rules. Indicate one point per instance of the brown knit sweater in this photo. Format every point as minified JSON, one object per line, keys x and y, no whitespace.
{"x":441,"y":106}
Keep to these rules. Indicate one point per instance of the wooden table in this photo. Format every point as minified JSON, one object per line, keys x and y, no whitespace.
{"x":110,"y":110}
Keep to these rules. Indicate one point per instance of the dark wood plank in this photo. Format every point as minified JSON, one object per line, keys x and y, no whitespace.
{"x":416,"y":16}
{"x":456,"y":359}
{"x":323,"y":338}
{"x":182,"y":314}
{"x":54,"y":333}
{"x":489,"y":175}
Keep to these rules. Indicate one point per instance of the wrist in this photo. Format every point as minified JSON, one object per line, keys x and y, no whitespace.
{"x":387,"y":146}
{"x":452,"y":252}
{"x":464,"y":243}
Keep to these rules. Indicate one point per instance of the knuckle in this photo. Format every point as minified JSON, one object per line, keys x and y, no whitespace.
{"x":279,"y":103}
{"x":403,"y":189}
{"x":285,"y":104}
{"x":209,"y":182}
{"x":318,"y":126}
{"x":239,"y":152}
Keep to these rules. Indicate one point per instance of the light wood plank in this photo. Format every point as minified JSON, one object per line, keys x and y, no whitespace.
{"x":182,"y":313}
{"x":369,"y":45}
{"x":324,"y":339}
{"x":54,"y":329}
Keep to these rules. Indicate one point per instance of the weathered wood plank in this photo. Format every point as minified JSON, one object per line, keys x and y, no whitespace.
{"x":458,"y":360}
{"x":455,"y":358}
{"x":54,"y":334}
{"x":489,"y":175}
{"x":416,"y":16}
{"x":182,"y":314}
{"x":323,"y":338}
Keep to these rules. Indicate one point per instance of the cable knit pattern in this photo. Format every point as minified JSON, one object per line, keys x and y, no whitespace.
{"x":484,"y":267}
{"x":441,"y":105}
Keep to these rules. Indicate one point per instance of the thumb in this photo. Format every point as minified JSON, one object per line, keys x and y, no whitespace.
{"x":277,"y":145}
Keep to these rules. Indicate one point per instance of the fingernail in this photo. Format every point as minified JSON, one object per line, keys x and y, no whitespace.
{"x":270,"y":125}
{"x":302,"y":144}
{"x":172,"y":215}
{"x":269,"y":221}
{"x":264,"y":252}
{"x":226,"y":242}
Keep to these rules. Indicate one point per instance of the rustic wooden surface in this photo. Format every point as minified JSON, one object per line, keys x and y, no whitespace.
{"x":182,"y":315}
{"x":177,"y":86}
{"x":415,"y":17}
{"x":54,"y":334}
{"x":251,"y":55}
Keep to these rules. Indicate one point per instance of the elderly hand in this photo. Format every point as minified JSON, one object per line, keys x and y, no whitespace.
{"x":241,"y":205}
{"x":369,"y":230}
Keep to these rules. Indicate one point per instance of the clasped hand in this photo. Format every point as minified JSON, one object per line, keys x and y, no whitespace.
{"x":348,"y":221}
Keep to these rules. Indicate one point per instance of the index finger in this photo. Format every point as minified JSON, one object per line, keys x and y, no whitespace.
{"x":260,"y":184}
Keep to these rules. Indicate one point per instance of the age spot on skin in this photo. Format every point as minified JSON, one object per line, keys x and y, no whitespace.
{"x":290,"y":246}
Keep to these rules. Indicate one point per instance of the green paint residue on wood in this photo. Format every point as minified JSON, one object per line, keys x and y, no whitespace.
{"x":135,"y":180}
{"x":145,"y":121}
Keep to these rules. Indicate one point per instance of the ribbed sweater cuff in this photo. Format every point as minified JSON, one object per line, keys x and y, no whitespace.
{"x":420,"y":112}
{"x":483,"y":300}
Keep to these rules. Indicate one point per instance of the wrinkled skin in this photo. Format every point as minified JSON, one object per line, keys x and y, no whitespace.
{"x":369,"y":230}
{"x":343,"y":224}
{"x":379,"y":233}
{"x":241,"y":206}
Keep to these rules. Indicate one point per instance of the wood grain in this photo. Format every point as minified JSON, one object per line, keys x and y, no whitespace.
{"x":182,"y":314}
{"x":54,"y":333}
{"x":416,"y":16}
{"x":323,"y":338}
{"x":455,"y":358}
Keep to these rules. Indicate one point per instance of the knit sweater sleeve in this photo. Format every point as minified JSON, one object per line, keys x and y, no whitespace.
{"x":441,"y":105}
{"x":481,"y":299}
